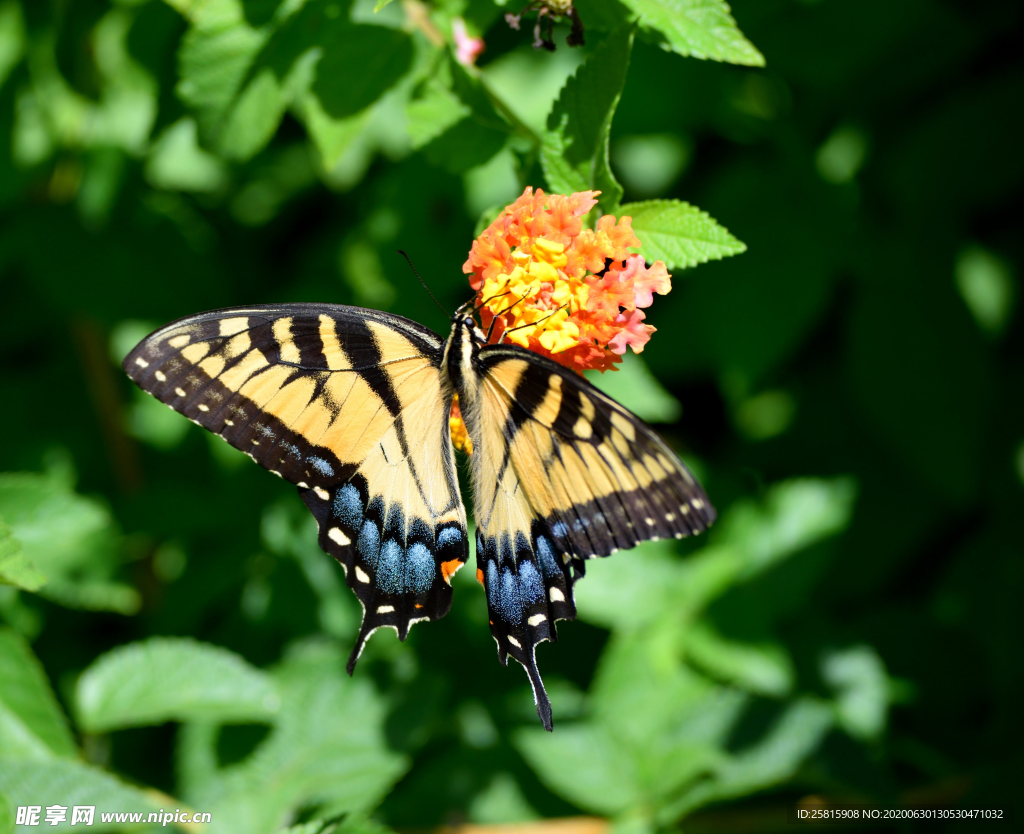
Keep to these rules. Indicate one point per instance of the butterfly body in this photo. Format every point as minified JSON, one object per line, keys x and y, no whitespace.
{"x":352,"y":406}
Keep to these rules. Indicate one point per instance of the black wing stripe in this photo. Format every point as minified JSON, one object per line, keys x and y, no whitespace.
{"x":364,"y":354}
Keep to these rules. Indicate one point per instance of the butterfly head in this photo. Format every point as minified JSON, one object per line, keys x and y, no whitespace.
{"x":463,"y":321}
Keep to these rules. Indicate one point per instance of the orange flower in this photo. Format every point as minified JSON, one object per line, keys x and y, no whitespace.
{"x":568,"y":293}
{"x":547,"y":284}
{"x":460,"y":437}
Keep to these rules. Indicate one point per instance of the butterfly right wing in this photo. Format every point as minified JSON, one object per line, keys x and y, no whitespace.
{"x":348,"y":405}
{"x":563,"y":474}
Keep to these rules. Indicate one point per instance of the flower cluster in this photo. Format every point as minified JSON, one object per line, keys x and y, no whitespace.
{"x":572,"y":294}
{"x":549,"y":285}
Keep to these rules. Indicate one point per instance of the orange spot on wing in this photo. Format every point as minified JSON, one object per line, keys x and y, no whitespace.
{"x":480,"y":576}
{"x":448,"y":569}
{"x":417,"y":605}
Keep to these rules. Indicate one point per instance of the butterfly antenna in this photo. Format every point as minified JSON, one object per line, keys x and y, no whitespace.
{"x":494,"y":319}
{"x":531,"y":324}
{"x":487,"y":301}
{"x":424,"y":283}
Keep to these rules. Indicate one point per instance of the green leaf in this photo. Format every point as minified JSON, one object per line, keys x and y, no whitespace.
{"x":72,"y":783}
{"x":583,"y":763}
{"x":254,"y":118}
{"x":434,"y":112}
{"x":795,"y":514}
{"x":32,"y":724}
{"x":327,"y":751}
{"x":465,"y":145}
{"x":764,"y":669}
{"x":679,"y":234}
{"x":380,"y":4}
{"x":359,"y":66}
{"x":176,"y":161}
{"x":574,"y":154}
{"x":164,"y":679}
{"x":70,"y":538}
{"x":698,"y":28}
{"x":858,"y":676}
{"x":337,"y":140}
{"x":675,"y":706}
{"x":631,"y":592}
{"x":478,"y":132}
{"x":215,"y":56}
{"x":771,"y":761}
{"x":15,"y":567}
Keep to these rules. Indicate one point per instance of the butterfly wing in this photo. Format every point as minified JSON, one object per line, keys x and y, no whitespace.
{"x":351,"y":407}
{"x":564,"y":474}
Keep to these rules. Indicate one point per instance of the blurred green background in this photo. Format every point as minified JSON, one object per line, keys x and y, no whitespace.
{"x":850,"y":390}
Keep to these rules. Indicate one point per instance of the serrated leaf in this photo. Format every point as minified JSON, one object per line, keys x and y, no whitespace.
{"x":215,"y":56}
{"x":698,"y":28}
{"x":15,"y":567}
{"x":31,"y":720}
{"x":574,"y":153}
{"x":166,"y":679}
{"x":72,"y":783}
{"x":679,"y":234}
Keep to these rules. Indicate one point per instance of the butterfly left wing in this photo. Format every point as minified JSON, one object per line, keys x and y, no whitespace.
{"x":563,"y":474}
{"x":351,"y":407}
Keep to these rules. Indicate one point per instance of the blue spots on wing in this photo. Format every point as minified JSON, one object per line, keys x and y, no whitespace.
{"x":560,"y":530}
{"x":511,"y":604}
{"x":493,"y":587}
{"x":322,"y":466}
{"x":368,"y":543}
{"x":546,"y":555}
{"x":348,"y":506}
{"x":531,"y":586}
{"x":419,"y":569}
{"x":389,"y":568}
{"x":503,"y":593}
{"x":396,"y":569}
{"x":449,"y":534}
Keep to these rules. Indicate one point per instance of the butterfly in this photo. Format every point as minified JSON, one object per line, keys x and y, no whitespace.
{"x":352,"y":406}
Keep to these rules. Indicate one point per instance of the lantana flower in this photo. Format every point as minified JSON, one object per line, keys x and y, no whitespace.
{"x":467,"y":48}
{"x":572,"y":294}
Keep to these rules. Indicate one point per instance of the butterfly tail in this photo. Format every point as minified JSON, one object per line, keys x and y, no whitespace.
{"x":540,"y":694}
{"x":357,"y":649}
